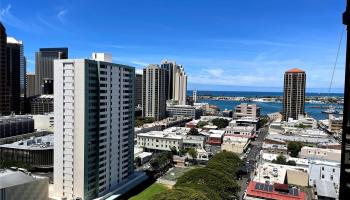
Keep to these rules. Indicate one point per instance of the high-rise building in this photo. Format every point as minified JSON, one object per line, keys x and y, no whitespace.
{"x":4,"y":95}
{"x":16,"y":71}
{"x":180,"y":85}
{"x":138,"y":90}
{"x":30,"y":88}
{"x":170,"y":66}
{"x":154,"y":92}
{"x":44,"y":68}
{"x":194,"y":96}
{"x":294,"y":93}
{"x":176,"y":82}
{"x":94,"y":122}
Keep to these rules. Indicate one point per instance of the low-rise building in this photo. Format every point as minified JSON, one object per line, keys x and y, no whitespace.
{"x":44,"y":122}
{"x":335,"y":124}
{"x":247,"y":131}
{"x":320,"y":153}
{"x":246,"y":110}
{"x":325,"y":190}
{"x":275,"y":149}
{"x":192,"y":124}
{"x":324,"y":170}
{"x":276,"y":116}
{"x":16,"y":125}
{"x":262,"y":191}
{"x":276,"y":173}
{"x":184,"y":110}
{"x":19,"y":185}
{"x":36,"y":152}
{"x":245,"y":121}
{"x":159,"y":141}
{"x":41,"y":104}
{"x":194,"y":141}
{"x":235,"y":144}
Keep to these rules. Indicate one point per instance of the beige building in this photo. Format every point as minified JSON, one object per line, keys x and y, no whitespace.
{"x":235,"y":144}
{"x":335,"y":124}
{"x":246,"y":110}
{"x":154,"y":92}
{"x":320,"y":153}
{"x":296,"y":177}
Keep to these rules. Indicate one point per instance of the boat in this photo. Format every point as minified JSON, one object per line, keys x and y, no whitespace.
{"x":330,"y":110}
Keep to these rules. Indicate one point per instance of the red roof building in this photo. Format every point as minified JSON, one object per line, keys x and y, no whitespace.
{"x":257,"y":190}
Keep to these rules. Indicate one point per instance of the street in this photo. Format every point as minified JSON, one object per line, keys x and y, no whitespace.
{"x":252,"y":158}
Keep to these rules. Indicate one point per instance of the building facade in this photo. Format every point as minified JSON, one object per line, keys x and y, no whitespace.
{"x":180,"y":86}
{"x":176,"y":82}
{"x":154,"y":92}
{"x":294,"y":93}
{"x":34,"y":152}
{"x":184,"y":110}
{"x":4,"y":92}
{"x":20,"y":185}
{"x":16,"y":125}
{"x":44,"y":68}
{"x":246,"y":110}
{"x":30,"y":88}
{"x":42,"y":104}
{"x":138,"y":90}
{"x":94,"y":122}
{"x":16,"y":71}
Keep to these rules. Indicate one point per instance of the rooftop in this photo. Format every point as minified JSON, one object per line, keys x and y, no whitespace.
{"x":160,"y":134}
{"x":295,"y":70}
{"x":325,"y":189}
{"x":34,"y":143}
{"x":268,"y":191}
{"x":11,"y":178}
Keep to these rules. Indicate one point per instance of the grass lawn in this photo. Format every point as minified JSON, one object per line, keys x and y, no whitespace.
{"x":150,"y":191}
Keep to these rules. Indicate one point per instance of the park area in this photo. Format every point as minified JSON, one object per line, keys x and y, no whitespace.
{"x":149,"y":192}
{"x":174,"y":173}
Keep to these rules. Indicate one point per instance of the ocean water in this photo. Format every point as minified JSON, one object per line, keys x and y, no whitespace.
{"x":254,"y":94}
{"x":266,"y":107}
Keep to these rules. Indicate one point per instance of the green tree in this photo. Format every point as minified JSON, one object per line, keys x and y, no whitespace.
{"x":282,"y":160}
{"x":220,"y":123}
{"x":294,"y":148}
{"x":182,"y":151}
{"x":192,"y":152}
{"x":291,"y":163}
{"x":219,"y":182}
{"x":263,"y":120}
{"x":201,"y":124}
{"x":225,"y":162}
{"x":193,"y":131}
{"x":174,"y":150}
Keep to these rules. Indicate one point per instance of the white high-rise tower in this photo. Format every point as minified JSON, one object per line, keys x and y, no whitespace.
{"x":94,"y":127}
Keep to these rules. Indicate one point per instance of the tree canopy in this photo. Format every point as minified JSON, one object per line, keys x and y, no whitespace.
{"x":294,"y":148}
{"x":223,"y":185}
{"x":193,"y":131}
{"x":201,"y":124}
{"x":216,"y":181}
{"x":220,"y":122}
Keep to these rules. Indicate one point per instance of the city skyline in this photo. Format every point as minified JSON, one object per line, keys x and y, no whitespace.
{"x":237,"y":58}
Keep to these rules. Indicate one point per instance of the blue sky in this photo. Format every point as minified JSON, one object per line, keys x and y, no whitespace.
{"x":223,"y":45}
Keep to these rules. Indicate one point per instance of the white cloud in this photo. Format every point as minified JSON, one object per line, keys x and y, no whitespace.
{"x":138,"y":71}
{"x":214,"y":72}
{"x":139,"y":63}
{"x":61,"y":14}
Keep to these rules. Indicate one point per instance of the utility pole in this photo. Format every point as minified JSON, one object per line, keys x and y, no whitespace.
{"x":344,"y":190}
